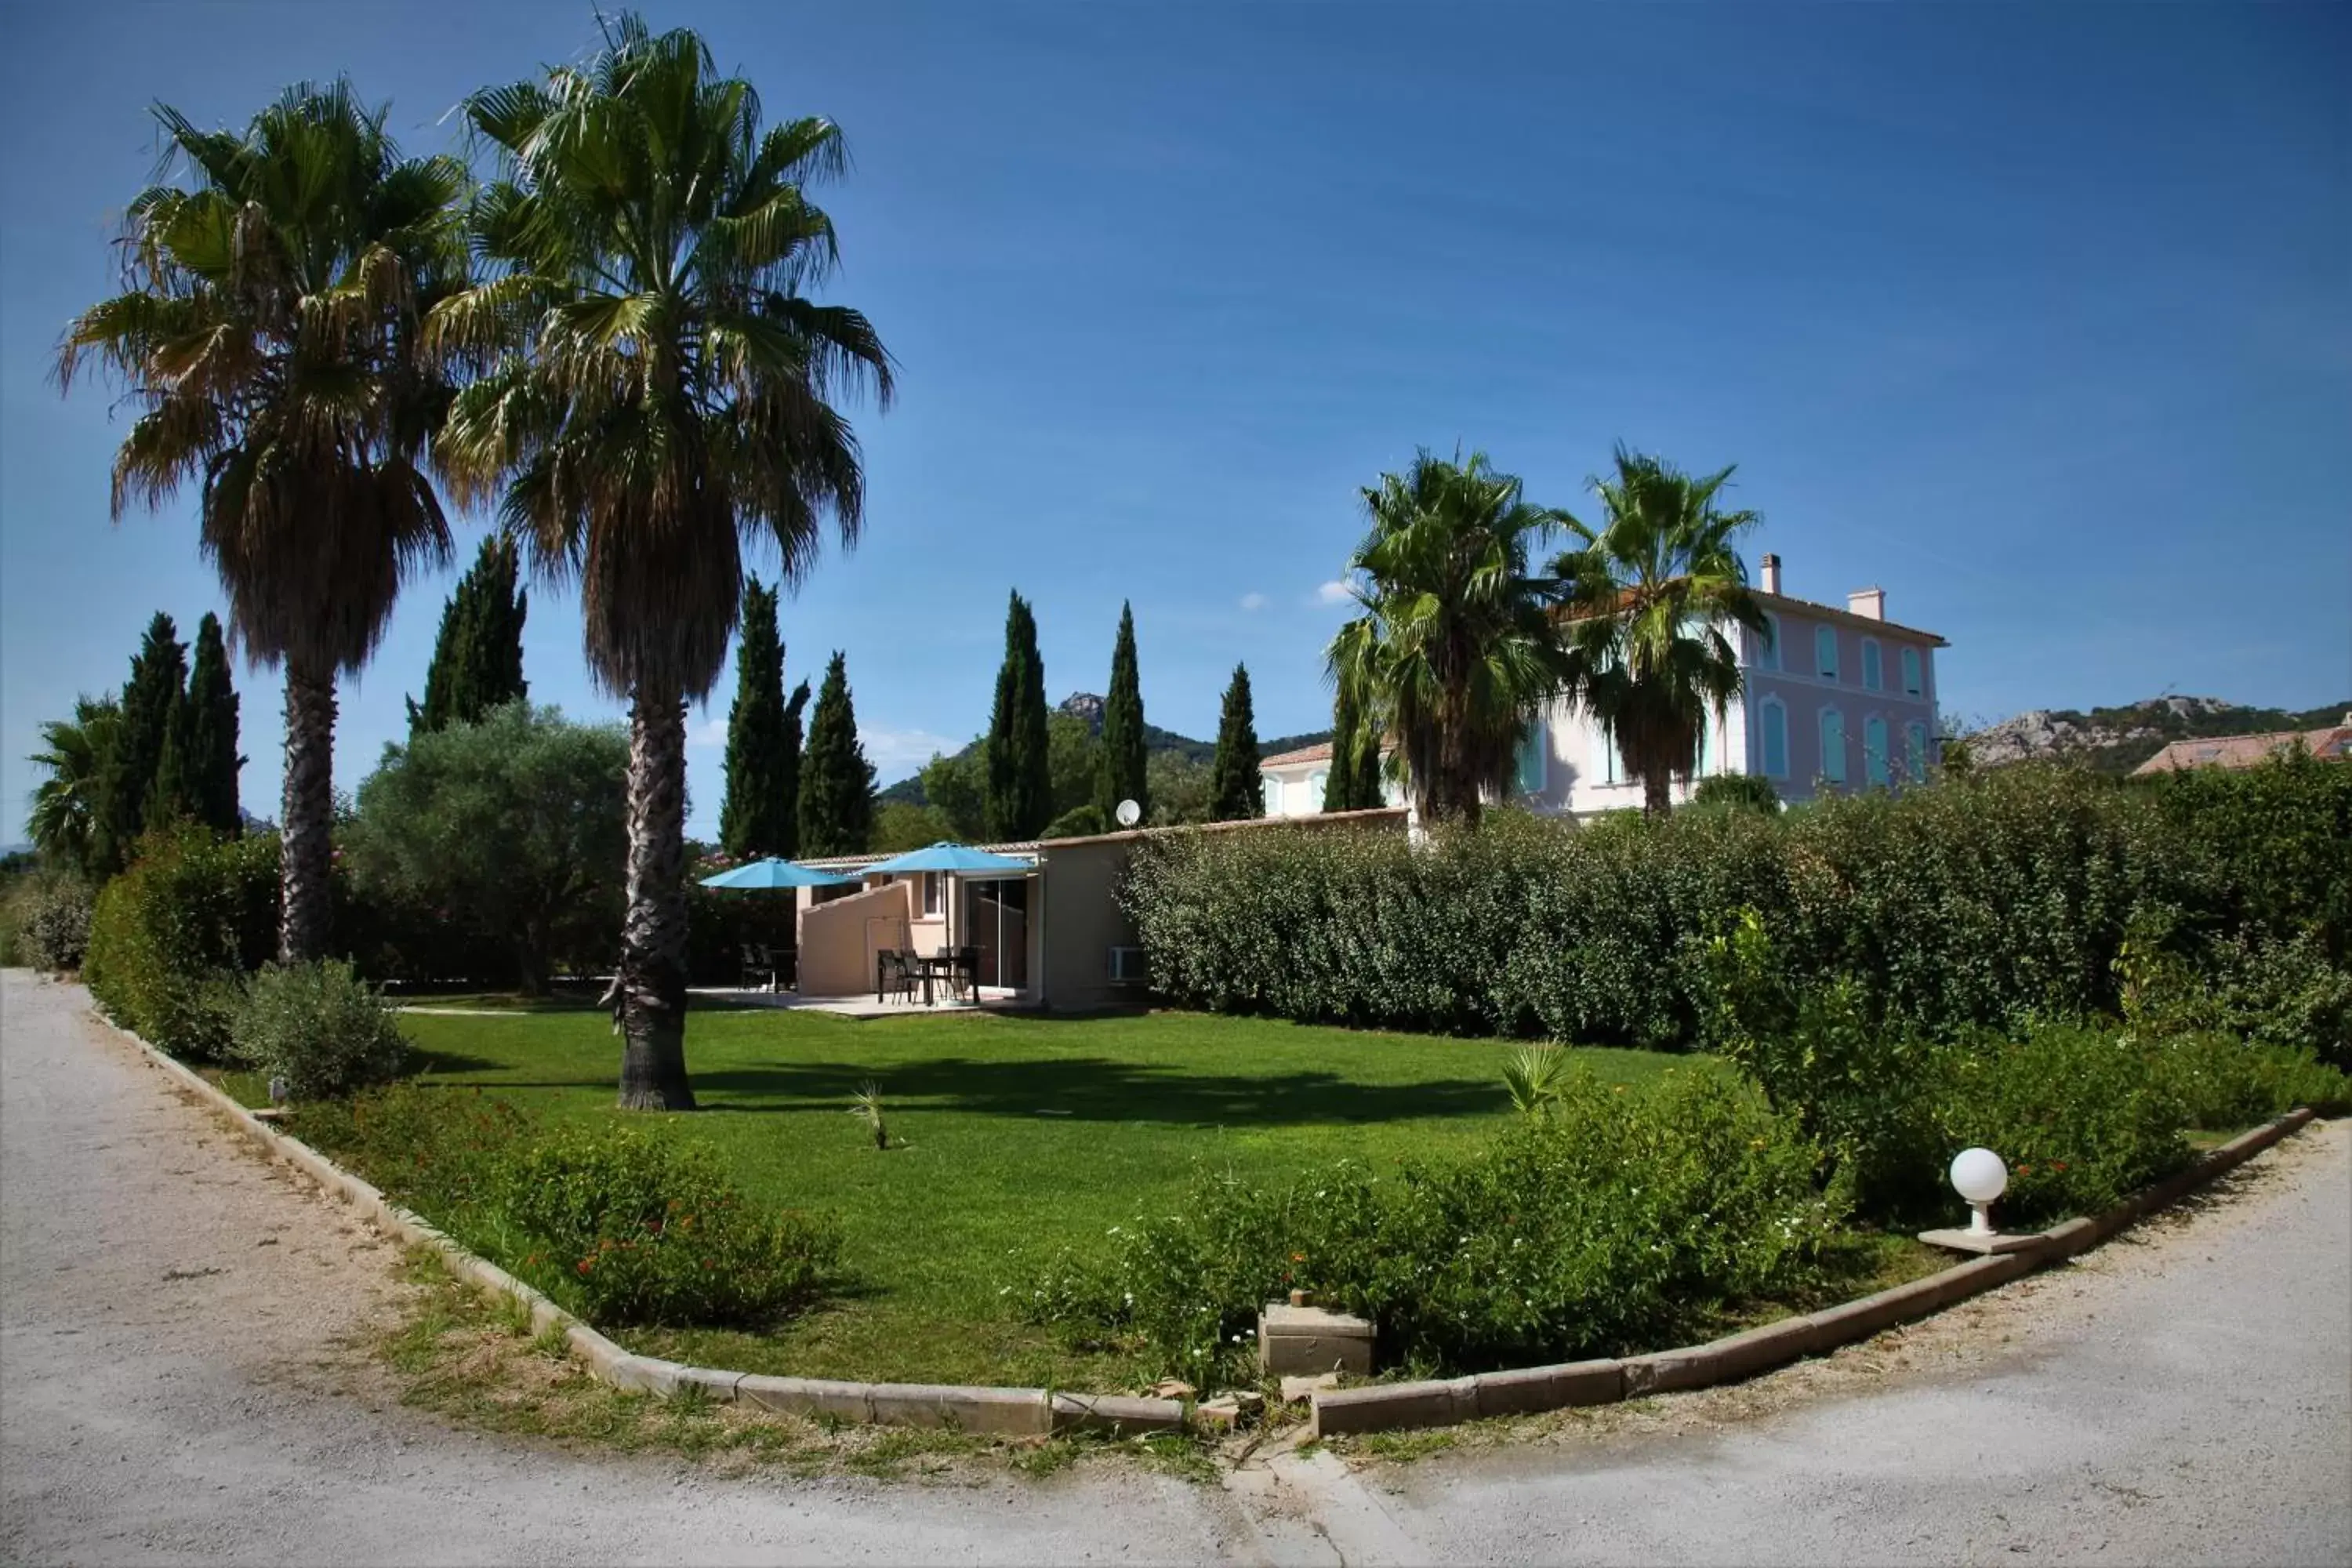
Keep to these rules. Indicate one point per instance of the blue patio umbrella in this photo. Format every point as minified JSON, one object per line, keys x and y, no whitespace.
{"x":960,"y":859}
{"x":774,"y":873}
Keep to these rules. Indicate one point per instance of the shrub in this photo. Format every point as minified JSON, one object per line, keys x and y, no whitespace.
{"x":434,"y":1149}
{"x":319,"y":1028}
{"x":49,"y":918}
{"x":1625,"y":1217}
{"x":1736,"y":792}
{"x":1950,"y":907}
{"x":650,"y":1232}
{"x":1865,"y":1093}
{"x":2082,"y":1113}
{"x":2224,"y":1083}
{"x":169,"y":936}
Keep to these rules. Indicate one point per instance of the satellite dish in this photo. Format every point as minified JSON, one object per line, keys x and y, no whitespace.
{"x":1128,"y":813}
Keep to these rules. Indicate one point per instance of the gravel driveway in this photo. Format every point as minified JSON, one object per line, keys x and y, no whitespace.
{"x":177,"y":1384}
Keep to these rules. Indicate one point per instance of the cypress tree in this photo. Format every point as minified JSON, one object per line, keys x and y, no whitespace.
{"x":1020,"y":799}
{"x":788,"y":777}
{"x":478,"y":653}
{"x":1234,"y":790}
{"x":159,"y":674}
{"x":1121,"y":773}
{"x":754,"y":816}
{"x":837,"y":799}
{"x":1354,"y":782}
{"x":207,"y":736}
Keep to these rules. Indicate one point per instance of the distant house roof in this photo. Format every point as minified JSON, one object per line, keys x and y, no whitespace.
{"x":2248,"y":751}
{"x":1318,"y":753}
{"x":1782,"y":604}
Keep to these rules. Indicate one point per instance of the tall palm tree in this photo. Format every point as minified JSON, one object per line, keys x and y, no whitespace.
{"x":652,"y":390}
{"x":1651,"y":594}
{"x":1457,"y":650}
{"x":268,"y":336}
{"x":65,"y":805}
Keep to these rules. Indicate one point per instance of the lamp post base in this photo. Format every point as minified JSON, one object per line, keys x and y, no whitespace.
{"x":1979,"y":1241}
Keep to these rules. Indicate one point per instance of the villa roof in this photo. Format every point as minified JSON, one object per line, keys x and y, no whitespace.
{"x":2248,"y":751}
{"x":1318,"y":753}
{"x":1814,"y":609}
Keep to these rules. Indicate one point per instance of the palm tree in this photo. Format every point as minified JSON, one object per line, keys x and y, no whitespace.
{"x":65,"y":805}
{"x":1651,"y":594}
{"x":267,"y":335}
{"x":652,"y":390}
{"x":1457,"y":650}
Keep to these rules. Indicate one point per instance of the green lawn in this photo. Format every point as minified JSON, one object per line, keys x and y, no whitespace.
{"x":1020,"y":1135}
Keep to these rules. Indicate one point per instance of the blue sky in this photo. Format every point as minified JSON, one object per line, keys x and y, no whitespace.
{"x":2039,"y":316}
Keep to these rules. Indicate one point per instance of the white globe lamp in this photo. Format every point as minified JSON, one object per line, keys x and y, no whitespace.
{"x":1979,"y":1176}
{"x":1128,"y":813}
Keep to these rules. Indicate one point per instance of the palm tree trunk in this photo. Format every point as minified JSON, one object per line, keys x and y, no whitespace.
{"x":1655,"y":800}
{"x":307,"y":810}
{"x":650,"y":987}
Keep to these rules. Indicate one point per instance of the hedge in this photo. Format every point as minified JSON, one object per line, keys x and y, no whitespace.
{"x":1967,"y":903}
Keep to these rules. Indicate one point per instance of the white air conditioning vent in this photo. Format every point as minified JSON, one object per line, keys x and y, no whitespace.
{"x":1127,"y":964}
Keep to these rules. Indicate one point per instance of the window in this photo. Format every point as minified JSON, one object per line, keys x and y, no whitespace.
{"x":931,"y":892}
{"x":1873,"y":674}
{"x":1874,"y":751}
{"x":1767,"y":643}
{"x":1911,"y":681}
{"x":1825,"y":652}
{"x":1775,"y":726}
{"x":1705,"y":763}
{"x":1914,"y":750}
{"x":1834,"y":745}
{"x":1608,"y":762}
{"x":1533,"y":770}
{"x":1315,"y":785}
{"x":1273,"y":795}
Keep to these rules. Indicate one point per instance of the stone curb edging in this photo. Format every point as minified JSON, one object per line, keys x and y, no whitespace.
{"x":1532,"y":1390}
{"x":1002,"y":1412}
{"x":1037,"y":1412}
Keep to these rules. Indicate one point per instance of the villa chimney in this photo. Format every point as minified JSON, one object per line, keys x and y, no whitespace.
{"x":1771,"y":574}
{"x":1870,"y":603}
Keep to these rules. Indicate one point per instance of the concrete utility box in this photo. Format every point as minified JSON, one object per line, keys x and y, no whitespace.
{"x":1307,"y":1342}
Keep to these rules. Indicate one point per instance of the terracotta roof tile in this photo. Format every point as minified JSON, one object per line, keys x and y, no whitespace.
{"x":2247,"y":751}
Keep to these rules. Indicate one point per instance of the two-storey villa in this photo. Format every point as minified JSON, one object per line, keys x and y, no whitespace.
{"x":1831,"y":698}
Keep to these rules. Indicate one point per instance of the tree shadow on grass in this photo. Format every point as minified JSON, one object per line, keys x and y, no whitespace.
{"x":1099,"y":1089}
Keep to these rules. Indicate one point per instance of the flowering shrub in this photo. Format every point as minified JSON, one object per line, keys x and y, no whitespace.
{"x":1623,"y":1219}
{"x":2080,"y":1113}
{"x":644,"y":1231}
{"x":318,"y":1026}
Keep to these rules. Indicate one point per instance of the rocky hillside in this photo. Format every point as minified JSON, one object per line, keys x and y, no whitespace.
{"x":2117,"y":740}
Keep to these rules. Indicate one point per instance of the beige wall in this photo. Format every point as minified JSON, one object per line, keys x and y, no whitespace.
{"x":1082,"y":923}
{"x":839,"y":938}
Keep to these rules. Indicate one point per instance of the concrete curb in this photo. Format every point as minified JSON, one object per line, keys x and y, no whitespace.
{"x":1382,"y":1407}
{"x":1011,"y":1412}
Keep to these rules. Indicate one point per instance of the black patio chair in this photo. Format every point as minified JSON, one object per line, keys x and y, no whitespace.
{"x":894,"y":975}
{"x":758,"y":966}
{"x":965,"y":967}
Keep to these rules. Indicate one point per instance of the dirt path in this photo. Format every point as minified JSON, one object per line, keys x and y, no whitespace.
{"x":176,"y":1381}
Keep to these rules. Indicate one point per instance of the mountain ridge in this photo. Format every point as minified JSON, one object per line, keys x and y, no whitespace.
{"x":2117,"y":740}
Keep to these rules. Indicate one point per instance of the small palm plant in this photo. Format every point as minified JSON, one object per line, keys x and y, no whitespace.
{"x":867,"y":1105}
{"x":1534,"y":1076}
